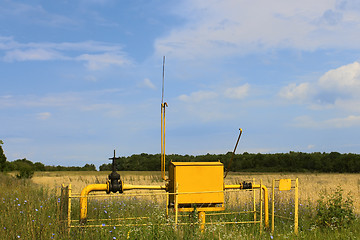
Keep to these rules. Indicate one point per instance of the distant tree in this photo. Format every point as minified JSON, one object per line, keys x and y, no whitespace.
{"x":2,"y":157}
{"x":38,"y":166}
{"x":88,"y":167}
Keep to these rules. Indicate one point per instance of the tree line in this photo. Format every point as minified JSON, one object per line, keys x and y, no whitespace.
{"x":250,"y":162}
{"x":27,"y":167}
{"x":246,"y":162}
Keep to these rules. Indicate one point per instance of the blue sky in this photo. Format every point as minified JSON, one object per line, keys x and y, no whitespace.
{"x":81,"y":78}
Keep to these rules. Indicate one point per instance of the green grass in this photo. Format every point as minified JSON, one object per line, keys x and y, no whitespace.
{"x":29,"y":211}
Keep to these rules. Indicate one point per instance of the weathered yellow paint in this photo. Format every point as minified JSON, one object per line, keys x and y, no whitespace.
{"x":284,"y":184}
{"x":198,"y":183}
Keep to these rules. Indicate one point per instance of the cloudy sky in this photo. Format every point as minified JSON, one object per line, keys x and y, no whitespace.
{"x":81,"y":78}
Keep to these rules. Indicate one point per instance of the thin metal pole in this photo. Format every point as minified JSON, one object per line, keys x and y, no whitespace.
{"x":232,"y":156}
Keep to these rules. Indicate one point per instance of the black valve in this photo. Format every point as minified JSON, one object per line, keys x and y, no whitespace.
{"x":246,"y":185}
{"x":115,"y":184}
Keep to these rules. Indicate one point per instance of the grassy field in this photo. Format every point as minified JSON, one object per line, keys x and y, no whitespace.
{"x":310,"y":184}
{"x":29,"y":208}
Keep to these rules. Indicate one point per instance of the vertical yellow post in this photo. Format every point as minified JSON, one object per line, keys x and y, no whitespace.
{"x":202,"y":221}
{"x":162,"y":140}
{"x":254,"y":201}
{"x":261,"y":206}
{"x":69,"y":209}
{"x":296,"y":220}
{"x":176,"y":206}
{"x":167,"y":205}
{"x":273,"y":207}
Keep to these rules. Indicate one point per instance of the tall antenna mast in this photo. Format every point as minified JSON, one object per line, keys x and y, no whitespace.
{"x":163,"y":81}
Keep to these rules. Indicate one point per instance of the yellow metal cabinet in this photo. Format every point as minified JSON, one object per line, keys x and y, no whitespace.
{"x":197,"y":183}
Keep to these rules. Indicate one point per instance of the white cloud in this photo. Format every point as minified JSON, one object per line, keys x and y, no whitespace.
{"x":337,"y":87}
{"x":345,"y":79}
{"x":32,"y":55}
{"x":96,"y":55}
{"x":346,"y":122}
{"x":100,"y":61}
{"x":295,"y":92}
{"x":146,"y":83}
{"x":198,"y":96}
{"x":239,"y":92}
{"x":43,"y":115}
{"x":90,"y":78}
{"x":236,"y":27}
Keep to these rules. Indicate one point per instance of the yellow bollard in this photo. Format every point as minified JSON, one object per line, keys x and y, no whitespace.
{"x":202,"y":221}
{"x":296,"y":212}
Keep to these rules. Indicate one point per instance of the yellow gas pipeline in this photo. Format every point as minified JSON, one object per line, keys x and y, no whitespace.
{"x":83,"y":198}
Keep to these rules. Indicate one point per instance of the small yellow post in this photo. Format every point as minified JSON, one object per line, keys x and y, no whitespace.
{"x":296,"y":220}
{"x":167,"y":205}
{"x":202,"y":221}
{"x":273,"y":207}
{"x":254,"y":201}
{"x":69,"y":209}
{"x":261,"y":206}
{"x":176,"y":205}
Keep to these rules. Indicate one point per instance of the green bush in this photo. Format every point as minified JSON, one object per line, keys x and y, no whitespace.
{"x":25,"y":171}
{"x":335,"y":211}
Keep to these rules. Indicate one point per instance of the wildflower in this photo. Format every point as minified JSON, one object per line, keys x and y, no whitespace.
{"x":114,"y":237}
{"x":25,"y":201}
{"x":17,"y":199}
{"x":105,"y":211}
{"x":18,"y":236}
{"x":103,"y":224}
{"x":19,"y":204}
{"x":36,"y":209}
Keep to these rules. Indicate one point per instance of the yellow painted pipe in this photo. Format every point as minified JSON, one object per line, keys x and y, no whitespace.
{"x":105,"y":187}
{"x":236,"y":186}
{"x":266,"y":203}
{"x":266,"y":198}
{"x":148,"y":187}
{"x":83,"y":198}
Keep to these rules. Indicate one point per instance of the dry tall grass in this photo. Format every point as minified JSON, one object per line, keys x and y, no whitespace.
{"x":310,"y":184}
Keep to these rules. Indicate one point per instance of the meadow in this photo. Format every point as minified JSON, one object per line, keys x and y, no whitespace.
{"x":29,"y":208}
